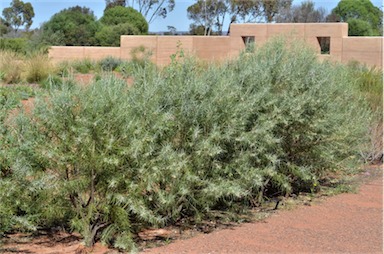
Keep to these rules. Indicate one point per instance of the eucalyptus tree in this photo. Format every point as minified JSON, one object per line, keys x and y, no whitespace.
{"x":303,"y":13}
{"x":212,"y":14}
{"x":150,"y":9}
{"x":19,"y":14}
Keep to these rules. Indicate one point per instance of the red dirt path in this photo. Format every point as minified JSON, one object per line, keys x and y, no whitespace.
{"x":347,"y":223}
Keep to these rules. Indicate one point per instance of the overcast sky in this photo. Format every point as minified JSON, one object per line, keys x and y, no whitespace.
{"x":44,"y":9}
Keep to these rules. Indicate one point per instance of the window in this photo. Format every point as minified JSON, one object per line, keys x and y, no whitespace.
{"x":249,"y":42}
{"x":325,"y":45}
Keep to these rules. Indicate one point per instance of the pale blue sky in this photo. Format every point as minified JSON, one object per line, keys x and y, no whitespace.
{"x":44,"y":9}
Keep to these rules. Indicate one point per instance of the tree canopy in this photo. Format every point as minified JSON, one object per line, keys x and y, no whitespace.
{"x":150,"y":9}
{"x":110,"y":35}
{"x":303,"y":13}
{"x":358,"y":14}
{"x":119,"y":15}
{"x":19,"y":14}
{"x":4,"y":26}
{"x":211,"y":14}
{"x":75,"y":26}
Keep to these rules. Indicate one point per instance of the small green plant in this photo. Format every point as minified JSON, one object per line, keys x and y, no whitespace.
{"x":83,"y":66}
{"x":16,"y":93}
{"x":179,"y":54}
{"x":64,"y":69}
{"x":110,"y":63}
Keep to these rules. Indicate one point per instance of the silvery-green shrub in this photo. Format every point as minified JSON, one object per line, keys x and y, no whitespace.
{"x":189,"y":140}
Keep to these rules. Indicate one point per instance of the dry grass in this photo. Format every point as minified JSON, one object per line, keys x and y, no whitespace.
{"x":17,"y":68}
{"x":37,"y":68}
{"x":11,"y":66}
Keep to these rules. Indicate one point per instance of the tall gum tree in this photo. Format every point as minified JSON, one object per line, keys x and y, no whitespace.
{"x":150,"y":9}
{"x":19,"y":14}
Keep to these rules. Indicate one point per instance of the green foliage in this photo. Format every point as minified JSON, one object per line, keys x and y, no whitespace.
{"x":89,"y":173}
{"x":121,"y":15}
{"x":15,"y":210}
{"x":369,"y":82}
{"x":110,"y":35}
{"x":360,"y":14}
{"x":4,"y":27}
{"x":83,"y":66}
{"x":110,"y":63}
{"x":18,"y":45}
{"x":19,"y":14}
{"x":11,"y":95}
{"x":22,"y":46}
{"x":75,"y":26}
{"x":358,"y":27}
{"x":185,"y":141}
{"x":140,"y":61}
{"x":151,"y":9}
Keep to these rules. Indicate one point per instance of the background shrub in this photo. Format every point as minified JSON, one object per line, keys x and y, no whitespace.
{"x":18,"y":45}
{"x":369,"y":82}
{"x":110,"y":35}
{"x":110,"y":63}
{"x":83,"y":66}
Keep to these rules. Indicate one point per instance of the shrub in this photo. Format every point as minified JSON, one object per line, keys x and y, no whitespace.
{"x":140,"y":61}
{"x":109,"y":63}
{"x":83,"y":66}
{"x":54,"y":82}
{"x":15,"y":196}
{"x":190,"y":141}
{"x":110,"y":35}
{"x":369,"y":82}
{"x":89,"y":173}
{"x":17,"y":45}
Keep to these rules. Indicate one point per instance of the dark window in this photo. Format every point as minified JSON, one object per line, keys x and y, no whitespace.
{"x":249,"y":42}
{"x":325,"y":45}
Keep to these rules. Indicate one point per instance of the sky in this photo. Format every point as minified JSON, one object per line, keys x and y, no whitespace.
{"x":45,"y":9}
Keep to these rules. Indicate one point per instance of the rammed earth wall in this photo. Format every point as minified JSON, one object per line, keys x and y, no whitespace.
{"x":336,"y":44}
